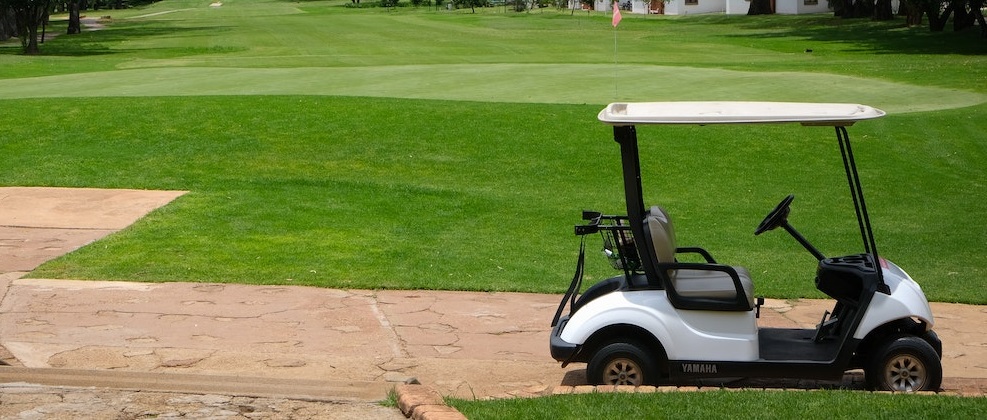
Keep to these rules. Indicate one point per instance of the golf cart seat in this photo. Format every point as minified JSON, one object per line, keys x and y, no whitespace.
{"x":702,"y":286}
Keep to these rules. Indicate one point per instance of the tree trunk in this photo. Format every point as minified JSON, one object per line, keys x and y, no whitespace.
{"x":75,"y":26}
{"x":937,"y":21}
{"x":913,"y":13}
{"x":962,"y":19}
{"x":760,"y":7}
{"x":31,"y":47}
{"x":854,"y":8}
{"x":8,"y":28}
{"x":976,"y":6}
{"x":863,"y":8}
{"x":882,"y":10}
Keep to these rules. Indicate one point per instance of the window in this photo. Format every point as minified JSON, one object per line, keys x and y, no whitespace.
{"x":691,"y":2}
{"x":810,"y":2}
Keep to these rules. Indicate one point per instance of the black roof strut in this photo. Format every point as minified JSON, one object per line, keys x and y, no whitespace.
{"x":859,"y":205}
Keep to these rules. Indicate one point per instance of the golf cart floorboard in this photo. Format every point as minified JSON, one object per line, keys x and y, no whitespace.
{"x":796,"y":345}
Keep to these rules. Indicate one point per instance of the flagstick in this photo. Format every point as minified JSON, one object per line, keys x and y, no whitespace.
{"x":615,"y":97}
{"x":615,"y":20}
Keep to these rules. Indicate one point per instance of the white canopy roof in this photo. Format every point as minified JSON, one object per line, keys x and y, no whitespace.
{"x":634,"y":113}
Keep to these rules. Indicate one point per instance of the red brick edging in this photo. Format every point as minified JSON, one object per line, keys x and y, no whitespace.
{"x":420,"y":402}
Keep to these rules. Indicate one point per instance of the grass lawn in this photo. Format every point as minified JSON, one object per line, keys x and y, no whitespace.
{"x":373,"y":148}
{"x":727,"y":405}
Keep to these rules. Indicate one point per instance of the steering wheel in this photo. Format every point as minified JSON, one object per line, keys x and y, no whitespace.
{"x":777,"y":217}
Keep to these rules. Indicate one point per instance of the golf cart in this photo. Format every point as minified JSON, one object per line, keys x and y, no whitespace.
{"x":665,"y":320}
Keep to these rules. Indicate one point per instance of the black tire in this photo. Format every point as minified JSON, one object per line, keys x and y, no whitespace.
{"x":904,"y":364}
{"x":621,"y":363}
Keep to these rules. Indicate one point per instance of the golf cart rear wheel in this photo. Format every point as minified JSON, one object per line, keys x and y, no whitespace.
{"x":621,"y":363}
{"x":905,"y":364}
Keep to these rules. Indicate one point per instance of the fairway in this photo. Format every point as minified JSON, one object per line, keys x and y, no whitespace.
{"x":542,"y":83}
{"x":412,"y":148}
{"x":270,"y":47}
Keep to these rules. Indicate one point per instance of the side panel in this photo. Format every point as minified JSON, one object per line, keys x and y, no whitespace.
{"x":692,"y":369}
{"x":906,"y":300}
{"x":685,"y":335}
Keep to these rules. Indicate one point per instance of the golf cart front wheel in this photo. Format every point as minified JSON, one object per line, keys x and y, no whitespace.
{"x":621,"y":363}
{"x":905,"y":364}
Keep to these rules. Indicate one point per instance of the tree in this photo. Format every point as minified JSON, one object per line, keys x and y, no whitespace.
{"x":913,"y":11}
{"x":966,"y":14}
{"x":7,"y":27}
{"x":28,"y":16}
{"x":882,"y":10}
{"x":977,"y":7}
{"x":940,"y":10}
{"x":854,"y":8}
{"x":75,"y":24}
{"x":473,"y":4}
{"x":760,"y":7}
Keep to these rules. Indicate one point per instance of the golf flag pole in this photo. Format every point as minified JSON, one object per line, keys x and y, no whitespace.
{"x":615,"y":21}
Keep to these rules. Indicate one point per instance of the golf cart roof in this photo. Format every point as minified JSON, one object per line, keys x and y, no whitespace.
{"x":634,"y":113}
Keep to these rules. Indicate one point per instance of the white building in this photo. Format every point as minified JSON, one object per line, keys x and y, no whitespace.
{"x":782,"y":7}
{"x":690,"y":7}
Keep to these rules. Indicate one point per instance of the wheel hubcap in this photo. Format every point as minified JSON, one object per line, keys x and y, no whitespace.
{"x":905,"y":373}
{"x":623,"y":372}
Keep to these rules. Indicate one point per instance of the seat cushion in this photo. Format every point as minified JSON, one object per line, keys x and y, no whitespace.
{"x":659,"y":227}
{"x":712,"y":284}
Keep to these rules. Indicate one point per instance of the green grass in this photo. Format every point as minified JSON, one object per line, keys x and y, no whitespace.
{"x":726,"y":405}
{"x":368,"y":148}
{"x":503,"y":82}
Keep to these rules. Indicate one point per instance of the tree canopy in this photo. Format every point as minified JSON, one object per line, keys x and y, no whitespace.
{"x":28,"y":16}
{"x":23,"y":18}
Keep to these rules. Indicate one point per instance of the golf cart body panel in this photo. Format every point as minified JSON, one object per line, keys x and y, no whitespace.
{"x":665,"y":318}
{"x":684,"y":334}
{"x":905,"y":301}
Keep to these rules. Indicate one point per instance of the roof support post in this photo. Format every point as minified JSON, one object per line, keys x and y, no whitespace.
{"x":857,"y":192}
{"x":626,"y":137}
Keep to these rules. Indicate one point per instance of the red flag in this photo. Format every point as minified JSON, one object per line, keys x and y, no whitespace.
{"x":616,"y":15}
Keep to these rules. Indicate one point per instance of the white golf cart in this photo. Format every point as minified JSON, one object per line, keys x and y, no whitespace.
{"x":665,"y":321}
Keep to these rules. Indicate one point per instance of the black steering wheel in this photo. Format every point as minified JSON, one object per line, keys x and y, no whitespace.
{"x":777,"y":217}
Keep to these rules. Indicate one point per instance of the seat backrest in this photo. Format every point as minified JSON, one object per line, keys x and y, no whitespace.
{"x":662,"y":233}
{"x":691,"y":286}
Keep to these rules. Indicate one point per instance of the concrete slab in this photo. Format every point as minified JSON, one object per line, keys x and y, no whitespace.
{"x":25,"y":248}
{"x":39,"y":224}
{"x":78,"y":208}
{"x":467,"y":342}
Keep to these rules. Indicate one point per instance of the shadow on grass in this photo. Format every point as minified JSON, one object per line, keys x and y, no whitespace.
{"x":860,"y":35}
{"x":99,"y":42}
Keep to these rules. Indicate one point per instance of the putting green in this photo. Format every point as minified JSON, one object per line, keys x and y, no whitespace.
{"x":532,"y":83}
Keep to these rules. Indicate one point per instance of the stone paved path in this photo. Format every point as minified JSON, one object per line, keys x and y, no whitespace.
{"x":462,"y":344}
